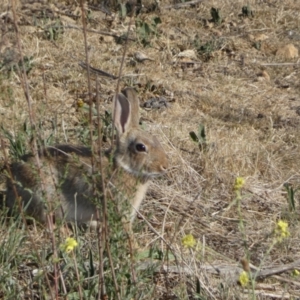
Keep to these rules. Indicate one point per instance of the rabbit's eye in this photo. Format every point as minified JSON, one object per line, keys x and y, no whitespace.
{"x":140,"y":147}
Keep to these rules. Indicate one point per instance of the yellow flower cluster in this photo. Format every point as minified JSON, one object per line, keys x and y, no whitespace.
{"x":188,"y":241}
{"x":239,"y":183}
{"x":68,"y":245}
{"x":281,"y":230}
{"x":80,"y":103}
{"x":244,"y":278}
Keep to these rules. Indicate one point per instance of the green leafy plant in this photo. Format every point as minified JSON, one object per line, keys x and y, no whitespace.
{"x":121,"y":39}
{"x":146,"y":30}
{"x":53,"y":31}
{"x":199,"y":137}
{"x":291,"y":196}
{"x":22,"y":137}
{"x":257,"y":45}
{"x":122,"y":10}
{"x":82,"y":130}
{"x":215,"y":14}
{"x":206,"y":49}
{"x":247,"y":11}
{"x":18,"y":141}
{"x":9,"y":63}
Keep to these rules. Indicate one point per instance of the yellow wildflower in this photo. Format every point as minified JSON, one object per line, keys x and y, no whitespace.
{"x":188,"y":241}
{"x":239,"y":183}
{"x":68,"y":245}
{"x":281,"y":230}
{"x":80,"y":103}
{"x":244,"y":278}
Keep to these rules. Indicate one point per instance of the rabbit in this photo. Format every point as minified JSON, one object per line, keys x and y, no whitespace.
{"x":61,"y":184}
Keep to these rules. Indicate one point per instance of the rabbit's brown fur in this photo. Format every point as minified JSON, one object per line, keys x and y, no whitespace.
{"x":64,"y":181}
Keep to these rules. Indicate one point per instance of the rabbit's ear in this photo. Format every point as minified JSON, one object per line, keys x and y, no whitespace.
{"x":131,"y":96}
{"x":122,"y":113}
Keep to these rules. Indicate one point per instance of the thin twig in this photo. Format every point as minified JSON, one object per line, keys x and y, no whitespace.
{"x":24,"y":82}
{"x":281,"y":64}
{"x":96,"y":71}
{"x":182,"y":5}
{"x":133,"y":273}
{"x":120,"y":72}
{"x":90,"y":98}
{"x":96,"y":31}
{"x":277,"y":270}
{"x":103,"y":73}
{"x":101,"y":230}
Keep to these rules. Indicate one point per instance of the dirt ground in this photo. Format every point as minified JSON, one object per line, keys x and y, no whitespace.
{"x":234,"y":70}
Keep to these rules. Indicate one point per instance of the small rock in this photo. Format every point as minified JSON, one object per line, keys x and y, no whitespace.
{"x":293,"y":35}
{"x":156,"y":103}
{"x":188,"y":53}
{"x":287,"y":51}
{"x":67,"y":20}
{"x":106,"y":38}
{"x":258,"y":37}
{"x":140,"y":57}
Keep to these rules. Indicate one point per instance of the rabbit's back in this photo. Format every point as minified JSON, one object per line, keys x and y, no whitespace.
{"x":62,"y":185}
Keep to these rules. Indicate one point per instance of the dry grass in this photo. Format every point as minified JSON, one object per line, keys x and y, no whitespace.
{"x":252,"y":125}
